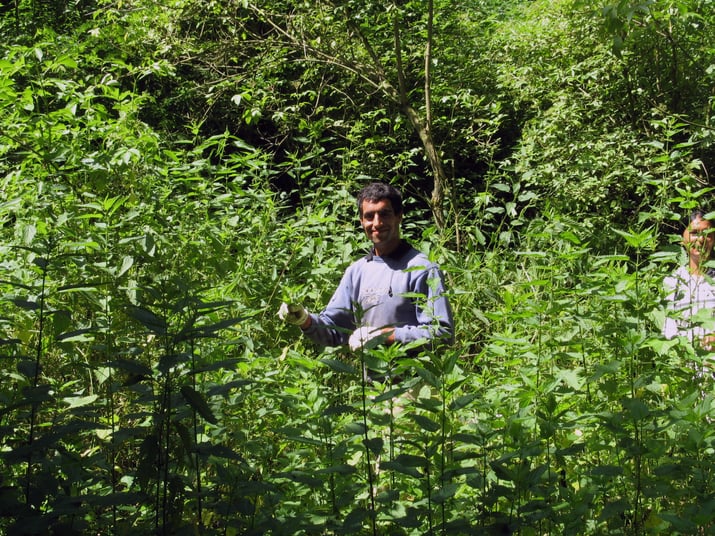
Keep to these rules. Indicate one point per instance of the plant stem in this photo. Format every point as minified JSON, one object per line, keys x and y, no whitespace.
{"x":371,"y":494}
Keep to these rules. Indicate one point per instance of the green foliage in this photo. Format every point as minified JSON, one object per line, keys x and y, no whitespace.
{"x":170,"y":175}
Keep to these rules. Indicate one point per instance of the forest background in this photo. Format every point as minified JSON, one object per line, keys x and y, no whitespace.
{"x":171,"y":171}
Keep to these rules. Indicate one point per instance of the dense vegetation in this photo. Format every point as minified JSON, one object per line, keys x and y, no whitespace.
{"x":170,"y":172}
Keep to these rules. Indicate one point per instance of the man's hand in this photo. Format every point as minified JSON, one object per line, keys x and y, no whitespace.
{"x":293,"y":313}
{"x":366,"y":337}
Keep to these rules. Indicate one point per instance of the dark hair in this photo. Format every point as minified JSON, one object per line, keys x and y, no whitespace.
{"x":377,"y":191}
{"x":698,"y":213}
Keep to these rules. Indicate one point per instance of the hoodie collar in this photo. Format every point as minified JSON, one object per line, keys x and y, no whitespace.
{"x":397,"y":253}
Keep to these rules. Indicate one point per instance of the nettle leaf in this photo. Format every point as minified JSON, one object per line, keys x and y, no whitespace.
{"x":353,"y":523}
{"x":302,"y":477}
{"x":218,"y":451}
{"x":374,"y":445}
{"x":389,"y":395}
{"x":571,"y":377}
{"x":27,"y":367}
{"x":224,"y":389}
{"x":425,"y":422}
{"x":78,"y":335}
{"x":407,"y":464}
{"x":127,"y":263}
{"x":28,"y":234}
{"x":636,"y":408}
{"x":429,"y":377}
{"x":609,"y":471}
{"x":79,"y":401}
{"x":340,"y":469}
{"x":36,"y":395}
{"x":223,"y":324}
{"x":614,"y":508}
{"x":462,"y":401}
{"x":132,"y":366}
{"x":26,"y":304}
{"x":400,"y":468}
{"x":337,"y":409}
{"x":150,"y":320}
{"x":339,"y":366}
{"x":197,"y":402}
{"x":304,"y":439}
{"x":355,"y":428}
{"x":502,"y":471}
{"x":446,"y":492}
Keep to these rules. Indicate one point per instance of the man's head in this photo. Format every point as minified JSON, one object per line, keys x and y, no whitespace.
{"x":380,"y":210}
{"x":699,"y":239}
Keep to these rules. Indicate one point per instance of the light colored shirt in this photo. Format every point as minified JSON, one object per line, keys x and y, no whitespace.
{"x":692,"y":304}
{"x":403,"y":290}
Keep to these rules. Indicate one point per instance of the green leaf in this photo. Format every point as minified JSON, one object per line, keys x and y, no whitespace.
{"x":446,"y":492}
{"x":131,"y":366}
{"x":79,"y":401}
{"x":26,"y":304}
{"x":224,"y":389}
{"x":425,"y":422}
{"x":218,"y":451}
{"x":78,"y":335}
{"x":339,"y":366}
{"x":636,"y":408}
{"x":198,"y":403}
{"x":374,"y":445}
{"x":127,"y":263}
{"x":340,"y":469}
{"x":218,"y":326}
{"x":150,"y":320}
{"x":462,"y":401}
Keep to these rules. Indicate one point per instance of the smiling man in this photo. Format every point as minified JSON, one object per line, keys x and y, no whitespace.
{"x":392,"y":294}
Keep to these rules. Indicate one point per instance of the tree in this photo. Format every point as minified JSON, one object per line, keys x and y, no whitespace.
{"x":363,"y":52}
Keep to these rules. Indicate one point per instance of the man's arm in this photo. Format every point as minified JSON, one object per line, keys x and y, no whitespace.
{"x":433,"y":312}
{"x":333,"y":325}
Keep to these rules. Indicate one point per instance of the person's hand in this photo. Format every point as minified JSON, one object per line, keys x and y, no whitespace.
{"x":293,"y":313}
{"x":365,"y":337}
{"x":708,"y":342}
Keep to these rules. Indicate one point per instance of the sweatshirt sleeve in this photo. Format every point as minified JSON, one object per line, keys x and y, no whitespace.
{"x":333,"y":326}
{"x":432,"y":311}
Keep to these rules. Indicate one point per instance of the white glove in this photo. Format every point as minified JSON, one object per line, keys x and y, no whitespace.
{"x":365,"y":337}
{"x":293,"y":313}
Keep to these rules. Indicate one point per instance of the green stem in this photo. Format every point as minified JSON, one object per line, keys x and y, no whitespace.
{"x":370,"y":476}
{"x":35,"y":380}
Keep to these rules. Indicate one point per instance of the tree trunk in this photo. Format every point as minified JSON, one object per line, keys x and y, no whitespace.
{"x":423,"y":128}
{"x":435,"y":161}
{"x":376,"y":76}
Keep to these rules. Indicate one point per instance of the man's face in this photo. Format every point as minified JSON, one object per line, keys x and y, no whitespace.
{"x":381,"y":224}
{"x":699,"y":239}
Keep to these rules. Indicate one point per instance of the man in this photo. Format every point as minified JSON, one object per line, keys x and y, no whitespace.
{"x":392,"y":295}
{"x":691,"y":288}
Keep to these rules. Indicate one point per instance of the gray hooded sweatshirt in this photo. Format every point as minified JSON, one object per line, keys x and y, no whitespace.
{"x":403,"y":290}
